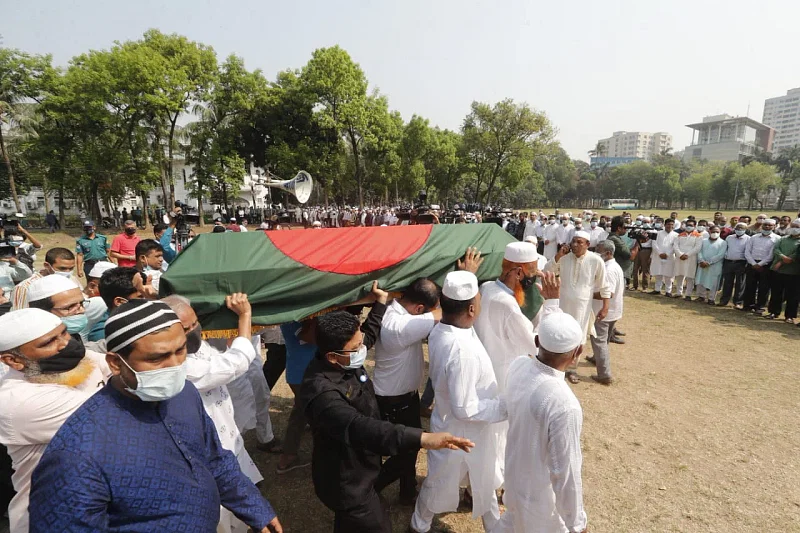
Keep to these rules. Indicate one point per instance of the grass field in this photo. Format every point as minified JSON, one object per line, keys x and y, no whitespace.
{"x":698,"y":434}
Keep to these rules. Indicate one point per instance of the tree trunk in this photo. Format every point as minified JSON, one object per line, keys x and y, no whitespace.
{"x":144,"y":196}
{"x":94,"y":202}
{"x":46,"y":191}
{"x":200,"y":213}
{"x":782,"y":198}
{"x":169,"y":167}
{"x":12,"y":184}
{"x":61,"y":214}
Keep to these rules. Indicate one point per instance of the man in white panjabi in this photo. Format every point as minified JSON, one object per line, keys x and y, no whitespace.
{"x":551,"y":238}
{"x":662,"y":260}
{"x":543,"y":488}
{"x":687,"y":245}
{"x":49,"y":375}
{"x":467,"y":405}
{"x":565,"y":230}
{"x":582,"y":274}
{"x":501,"y":327}
{"x":210,"y":371}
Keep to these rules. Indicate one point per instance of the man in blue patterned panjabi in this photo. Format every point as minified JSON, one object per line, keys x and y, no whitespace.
{"x":142,"y":455}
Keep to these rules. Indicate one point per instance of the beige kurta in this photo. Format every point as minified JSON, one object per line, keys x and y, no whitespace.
{"x":580,"y":278}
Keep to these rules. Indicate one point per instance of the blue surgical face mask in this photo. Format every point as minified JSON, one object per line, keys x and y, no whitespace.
{"x":766,"y":231}
{"x":689,"y":229}
{"x":701,"y":229}
{"x":158,"y":385}
{"x":75,"y":323}
{"x":357,"y":359}
{"x":593,"y":224}
{"x":739,"y":232}
{"x":659,"y":225}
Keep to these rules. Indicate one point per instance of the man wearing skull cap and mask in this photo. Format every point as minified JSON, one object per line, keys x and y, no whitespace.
{"x":144,"y":437}
{"x":50,"y":375}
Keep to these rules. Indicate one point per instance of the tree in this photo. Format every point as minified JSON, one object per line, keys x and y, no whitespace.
{"x":23,"y":77}
{"x":599,"y":150}
{"x":501,"y":142}
{"x":788,"y":166}
{"x":180,"y":72}
{"x":557,"y":172}
{"x":755,"y":179}
{"x":341,"y":90}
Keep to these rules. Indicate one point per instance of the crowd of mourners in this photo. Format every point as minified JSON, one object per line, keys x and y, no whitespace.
{"x":117,"y":415}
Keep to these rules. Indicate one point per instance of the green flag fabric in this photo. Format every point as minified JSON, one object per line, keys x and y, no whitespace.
{"x":290,"y":275}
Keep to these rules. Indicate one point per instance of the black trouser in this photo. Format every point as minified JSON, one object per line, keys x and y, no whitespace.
{"x":6,"y":488}
{"x":785,"y":288}
{"x":369,"y":517}
{"x":540,"y":246}
{"x":756,"y":281}
{"x":275,"y":363}
{"x":732,"y":274}
{"x":88,"y":265}
{"x":403,"y":409}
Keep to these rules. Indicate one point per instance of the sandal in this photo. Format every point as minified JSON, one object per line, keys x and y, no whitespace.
{"x":790,"y":321}
{"x":572,"y":377}
{"x":770,"y":316}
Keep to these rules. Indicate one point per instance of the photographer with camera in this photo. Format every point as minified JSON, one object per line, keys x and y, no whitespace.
{"x":12,"y":271}
{"x":16,"y":235}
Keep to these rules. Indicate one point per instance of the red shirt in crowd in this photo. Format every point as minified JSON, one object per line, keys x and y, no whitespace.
{"x":125,"y":245}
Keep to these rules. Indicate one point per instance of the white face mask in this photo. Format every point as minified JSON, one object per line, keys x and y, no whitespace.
{"x":158,"y":385}
{"x":357,"y":359}
{"x":67,"y":274}
{"x":713,"y":236}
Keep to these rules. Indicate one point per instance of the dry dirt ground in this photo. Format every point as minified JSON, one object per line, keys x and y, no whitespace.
{"x":698,"y":434}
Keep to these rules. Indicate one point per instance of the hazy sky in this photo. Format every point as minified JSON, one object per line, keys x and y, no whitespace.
{"x":594,"y":66}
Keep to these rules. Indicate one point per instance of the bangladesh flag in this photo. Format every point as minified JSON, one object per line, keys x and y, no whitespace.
{"x":290,"y":275}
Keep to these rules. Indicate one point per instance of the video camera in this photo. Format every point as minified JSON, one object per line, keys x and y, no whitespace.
{"x":182,"y":228}
{"x":7,"y":249}
{"x":641,"y":234}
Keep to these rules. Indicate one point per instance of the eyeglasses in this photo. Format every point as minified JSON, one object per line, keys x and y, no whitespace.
{"x":73,"y":308}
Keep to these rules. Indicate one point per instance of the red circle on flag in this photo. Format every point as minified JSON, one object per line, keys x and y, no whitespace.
{"x":351,"y":250}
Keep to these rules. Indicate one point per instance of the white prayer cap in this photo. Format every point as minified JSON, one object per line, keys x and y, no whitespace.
{"x":796,"y":222}
{"x":647,"y":219}
{"x":532,"y":239}
{"x":762,"y":215}
{"x":583,"y":235}
{"x":521,"y":252}
{"x":48,"y":286}
{"x":24,"y":325}
{"x":100,"y":267}
{"x":578,"y":220}
{"x":740,"y":225}
{"x":460,"y":285}
{"x":317,"y":224}
{"x":559,"y":333}
{"x":639,"y":217}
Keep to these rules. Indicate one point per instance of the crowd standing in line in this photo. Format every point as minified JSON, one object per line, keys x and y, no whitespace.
{"x":109,"y":397}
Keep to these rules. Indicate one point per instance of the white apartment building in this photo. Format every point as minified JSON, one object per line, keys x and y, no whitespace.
{"x":783,"y":114}
{"x":637,"y":144}
{"x":727,"y":138}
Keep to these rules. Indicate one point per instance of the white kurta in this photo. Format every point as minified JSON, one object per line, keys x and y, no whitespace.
{"x":543,"y":489}
{"x":565,"y":233}
{"x":210,"y":371}
{"x":551,"y":236}
{"x":467,"y":405}
{"x":506,"y":334}
{"x":664,"y":244}
{"x":581,"y":277}
{"x":250,"y":394}
{"x":30,"y":414}
{"x":688,"y":244}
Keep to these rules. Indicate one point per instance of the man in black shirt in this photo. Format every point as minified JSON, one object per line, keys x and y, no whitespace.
{"x":349,"y":436}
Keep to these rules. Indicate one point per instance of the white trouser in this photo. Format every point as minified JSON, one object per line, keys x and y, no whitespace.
{"x":660,"y":280}
{"x":689,"y":285}
{"x":422,"y":518}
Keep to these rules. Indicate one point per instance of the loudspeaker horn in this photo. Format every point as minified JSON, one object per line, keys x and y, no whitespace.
{"x":300,"y":186}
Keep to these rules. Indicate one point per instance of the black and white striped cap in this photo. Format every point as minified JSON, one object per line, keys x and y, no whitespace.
{"x":135,"y":319}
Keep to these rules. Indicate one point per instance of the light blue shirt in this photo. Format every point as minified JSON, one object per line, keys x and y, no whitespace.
{"x":736,"y":247}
